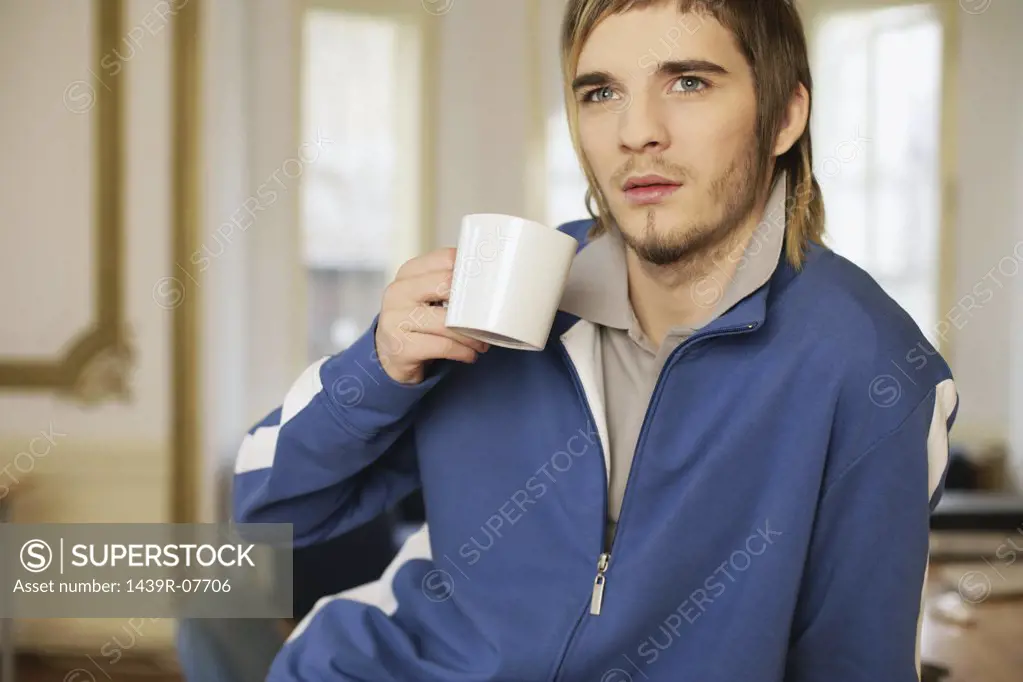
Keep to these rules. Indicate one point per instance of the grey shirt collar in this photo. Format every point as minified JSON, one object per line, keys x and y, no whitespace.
{"x":597,"y":289}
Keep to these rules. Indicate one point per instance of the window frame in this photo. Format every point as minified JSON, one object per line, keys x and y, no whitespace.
{"x":813,"y":12}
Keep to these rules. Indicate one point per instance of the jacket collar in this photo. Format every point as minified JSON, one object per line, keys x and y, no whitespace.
{"x":597,"y":288}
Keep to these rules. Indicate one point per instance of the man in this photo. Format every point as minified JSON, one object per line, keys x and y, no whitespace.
{"x":709,"y":473}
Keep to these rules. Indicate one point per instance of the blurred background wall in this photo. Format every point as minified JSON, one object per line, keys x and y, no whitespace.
{"x":85,"y":361}
{"x":213,"y":193}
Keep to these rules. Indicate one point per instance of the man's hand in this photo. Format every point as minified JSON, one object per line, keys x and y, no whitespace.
{"x":410,"y":328}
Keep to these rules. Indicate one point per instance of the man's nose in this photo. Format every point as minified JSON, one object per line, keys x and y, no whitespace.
{"x":642,"y":126}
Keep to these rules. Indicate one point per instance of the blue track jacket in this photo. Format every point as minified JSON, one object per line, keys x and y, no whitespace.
{"x":774,"y":528}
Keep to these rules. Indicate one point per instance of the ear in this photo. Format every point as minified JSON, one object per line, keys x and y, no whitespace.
{"x":794,"y":122}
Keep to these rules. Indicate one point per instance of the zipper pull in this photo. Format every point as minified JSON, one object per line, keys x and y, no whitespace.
{"x":598,"y":584}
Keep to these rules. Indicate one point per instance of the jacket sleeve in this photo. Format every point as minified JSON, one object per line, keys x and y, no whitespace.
{"x":859,"y":612}
{"x":337,"y":453}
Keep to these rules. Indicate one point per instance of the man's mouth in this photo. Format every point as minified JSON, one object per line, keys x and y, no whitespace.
{"x":649,"y":189}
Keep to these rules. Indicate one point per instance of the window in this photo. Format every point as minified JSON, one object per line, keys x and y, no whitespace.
{"x":566,"y":183}
{"x":356,"y":198}
{"x":877,"y":143}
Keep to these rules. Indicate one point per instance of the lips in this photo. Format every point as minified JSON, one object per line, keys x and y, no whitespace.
{"x":648,"y":181}
{"x":649,"y":189}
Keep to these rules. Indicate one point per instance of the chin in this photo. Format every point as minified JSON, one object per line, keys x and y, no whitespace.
{"x":670,"y":242}
{"x":663,"y":222}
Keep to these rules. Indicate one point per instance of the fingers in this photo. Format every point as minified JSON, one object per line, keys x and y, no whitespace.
{"x":428,"y":287}
{"x":411,"y":328}
{"x":428,"y":321}
{"x":415,"y":348}
{"x":423,"y":347}
{"x":438,"y":260}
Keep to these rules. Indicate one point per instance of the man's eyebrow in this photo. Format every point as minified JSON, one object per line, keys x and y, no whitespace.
{"x":668,"y":68}
{"x":679,"y":67}
{"x":592,"y":79}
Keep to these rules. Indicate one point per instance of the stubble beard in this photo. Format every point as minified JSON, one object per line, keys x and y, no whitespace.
{"x":688,"y":246}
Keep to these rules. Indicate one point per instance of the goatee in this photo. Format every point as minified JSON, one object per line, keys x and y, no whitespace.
{"x":735,"y":191}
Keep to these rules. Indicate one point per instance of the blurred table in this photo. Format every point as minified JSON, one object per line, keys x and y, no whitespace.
{"x":960,"y":510}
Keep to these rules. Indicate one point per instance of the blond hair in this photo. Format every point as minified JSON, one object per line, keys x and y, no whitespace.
{"x":770,"y":35}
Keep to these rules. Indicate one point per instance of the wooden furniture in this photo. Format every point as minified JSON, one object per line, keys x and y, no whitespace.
{"x":988,"y":650}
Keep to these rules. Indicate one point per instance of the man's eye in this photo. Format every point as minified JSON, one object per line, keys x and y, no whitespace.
{"x":689,"y":84}
{"x":600,"y":94}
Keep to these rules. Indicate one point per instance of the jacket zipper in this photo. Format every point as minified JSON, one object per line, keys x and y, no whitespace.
{"x":604,"y":558}
{"x":597,"y":598}
{"x":655,"y":394}
{"x":603,"y":525}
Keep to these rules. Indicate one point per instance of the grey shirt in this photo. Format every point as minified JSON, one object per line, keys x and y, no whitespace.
{"x":598,"y":291}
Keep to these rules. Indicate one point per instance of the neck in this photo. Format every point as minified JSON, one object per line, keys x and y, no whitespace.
{"x":688,"y":292}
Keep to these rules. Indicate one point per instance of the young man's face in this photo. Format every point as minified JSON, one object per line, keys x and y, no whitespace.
{"x":666,"y":94}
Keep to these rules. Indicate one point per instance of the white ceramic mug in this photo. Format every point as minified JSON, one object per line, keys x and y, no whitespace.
{"x":508,"y":280}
